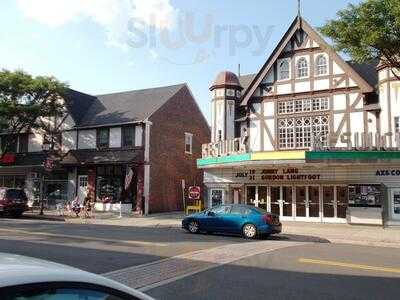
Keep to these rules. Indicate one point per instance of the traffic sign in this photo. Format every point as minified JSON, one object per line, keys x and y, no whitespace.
{"x":194,"y":192}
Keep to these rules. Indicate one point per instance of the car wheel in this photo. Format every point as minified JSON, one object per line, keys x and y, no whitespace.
{"x":16,"y":214}
{"x":249,"y":231}
{"x":193,"y":227}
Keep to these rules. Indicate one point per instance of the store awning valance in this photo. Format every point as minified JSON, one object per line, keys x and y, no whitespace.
{"x":101,"y":157}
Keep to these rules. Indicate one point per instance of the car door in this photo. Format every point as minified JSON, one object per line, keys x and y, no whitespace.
{"x":214,"y":220}
{"x":234,"y":221}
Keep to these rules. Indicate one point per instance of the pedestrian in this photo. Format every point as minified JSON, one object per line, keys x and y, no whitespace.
{"x":87,"y":206}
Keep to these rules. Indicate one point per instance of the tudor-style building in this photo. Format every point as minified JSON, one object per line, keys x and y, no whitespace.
{"x":157,"y":133}
{"x":310,"y":137}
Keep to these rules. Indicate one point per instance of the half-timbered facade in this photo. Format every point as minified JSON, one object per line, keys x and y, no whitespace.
{"x":308,"y":136}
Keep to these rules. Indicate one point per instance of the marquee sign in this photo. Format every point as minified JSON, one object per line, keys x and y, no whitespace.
{"x":361,"y":141}
{"x":276,"y":175}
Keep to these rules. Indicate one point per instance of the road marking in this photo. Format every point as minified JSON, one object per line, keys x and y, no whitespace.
{"x":148,"y":276}
{"x":129,"y":242}
{"x":348,"y":265}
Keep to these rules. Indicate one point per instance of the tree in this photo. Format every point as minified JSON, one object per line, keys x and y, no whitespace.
{"x":28,"y":103}
{"x":368,"y":31}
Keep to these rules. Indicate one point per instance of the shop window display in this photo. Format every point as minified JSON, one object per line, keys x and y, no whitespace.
{"x":365,"y":195}
{"x":110,"y":185}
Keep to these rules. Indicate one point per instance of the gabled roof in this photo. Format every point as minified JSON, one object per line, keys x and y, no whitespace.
{"x":245,"y":81}
{"x":127,"y":107}
{"x":300,"y":23}
{"x":77,"y":104}
{"x":367,"y":71}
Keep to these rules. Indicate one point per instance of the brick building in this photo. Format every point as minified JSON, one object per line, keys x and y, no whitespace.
{"x":103,"y":138}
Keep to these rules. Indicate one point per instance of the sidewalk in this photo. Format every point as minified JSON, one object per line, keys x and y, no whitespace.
{"x":334,"y":233}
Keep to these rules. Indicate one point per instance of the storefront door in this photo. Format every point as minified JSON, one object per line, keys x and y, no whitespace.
{"x":82,"y":187}
{"x":328,"y":200}
{"x":395,"y":204}
{"x":313,"y":193}
{"x":301,"y":201}
{"x":342,"y":201}
{"x":287,"y":197}
{"x":275,"y":197}
{"x":262,"y":195}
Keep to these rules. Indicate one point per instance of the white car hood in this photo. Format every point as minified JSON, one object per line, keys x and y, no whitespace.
{"x":18,"y":270}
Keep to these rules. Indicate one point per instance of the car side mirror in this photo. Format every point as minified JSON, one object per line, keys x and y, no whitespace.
{"x":211,"y":214}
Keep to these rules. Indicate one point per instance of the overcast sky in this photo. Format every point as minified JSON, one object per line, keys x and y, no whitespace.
{"x":104,"y":46}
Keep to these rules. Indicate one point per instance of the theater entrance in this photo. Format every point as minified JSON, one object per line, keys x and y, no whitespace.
{"x":310,"y":203}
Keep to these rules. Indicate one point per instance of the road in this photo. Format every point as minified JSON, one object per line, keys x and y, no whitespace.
{"x":169,"y":263}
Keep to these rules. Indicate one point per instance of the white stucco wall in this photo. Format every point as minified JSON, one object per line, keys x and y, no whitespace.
{"x":87,"y":139}
{"x":69,"y":140}
{"x":269,"y":109}
{"x":255,"y":135}
{"x":115,"y":137}
{"x":35,"y":142}
{"x":339,"y":102}
{"x":321,"y":84}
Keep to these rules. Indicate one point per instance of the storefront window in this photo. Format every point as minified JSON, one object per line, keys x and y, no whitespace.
{"x":128,"y":136}
{"x":251,"y":194}
{"x":103,"y":138}
{"x":110,"y":183}
{"x":55,"y":192}
{"x":216,"y":197}
{"x":365,"y":195}
{"x":8,"y":181}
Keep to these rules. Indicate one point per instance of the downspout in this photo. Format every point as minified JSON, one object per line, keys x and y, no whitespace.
{"x":146,"y":188}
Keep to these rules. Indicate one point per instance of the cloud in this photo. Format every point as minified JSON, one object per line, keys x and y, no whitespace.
{"x":112,"y":15}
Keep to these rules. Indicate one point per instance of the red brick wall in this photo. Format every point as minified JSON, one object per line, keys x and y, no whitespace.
{"x":168,"y":162}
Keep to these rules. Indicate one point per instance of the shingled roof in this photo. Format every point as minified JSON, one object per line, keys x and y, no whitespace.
{"x":367,"y":71}
{"x":245,"y":81}
{"x":117,"y":108}
{"x":78,"y":103}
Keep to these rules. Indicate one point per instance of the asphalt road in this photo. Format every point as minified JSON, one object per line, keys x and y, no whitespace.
{"x":212,"y":267}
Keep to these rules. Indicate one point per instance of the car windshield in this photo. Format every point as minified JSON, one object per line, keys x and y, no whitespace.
{"x":15,"y":194}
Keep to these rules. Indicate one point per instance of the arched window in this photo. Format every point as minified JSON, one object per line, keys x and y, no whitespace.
{"x":302,"y":68}
{"x":321,"y":65}
{"x":284,"y":70}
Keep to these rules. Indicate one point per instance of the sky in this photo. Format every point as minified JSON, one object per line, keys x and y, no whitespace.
{"x":106,"y":46}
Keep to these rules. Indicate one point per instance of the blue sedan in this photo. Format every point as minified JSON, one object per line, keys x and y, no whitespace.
{"x":247,"y":220}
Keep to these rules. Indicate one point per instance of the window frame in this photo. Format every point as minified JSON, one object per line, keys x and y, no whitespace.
{"x":98,"y":138}
{"x":293,"y":136}
{"x":302,"y":69}
{"x":281,"y":70}
{"x":190,"y":144}
{"x":319,"y":66}
{"x":124,"y":130}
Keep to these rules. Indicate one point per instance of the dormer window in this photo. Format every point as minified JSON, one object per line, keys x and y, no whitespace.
{"x":302,"y":68}
{"x":321,"y":65}
{"x":103,"y":138}
{"x":284,"y":72}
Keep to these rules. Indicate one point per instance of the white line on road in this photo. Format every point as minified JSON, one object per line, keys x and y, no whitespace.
{"x":155,"y":274}
{"x":86,"y":238}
